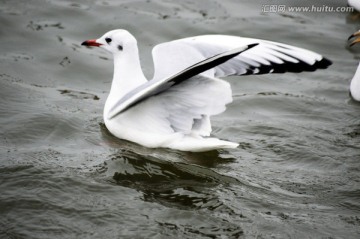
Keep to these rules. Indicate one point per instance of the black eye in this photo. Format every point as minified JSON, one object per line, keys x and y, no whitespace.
{"x":120,"y":47}
{"x":108,"y":40}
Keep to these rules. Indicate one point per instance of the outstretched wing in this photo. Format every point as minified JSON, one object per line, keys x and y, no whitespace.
{"x":157,"y":86}
{"x":268,"y":57}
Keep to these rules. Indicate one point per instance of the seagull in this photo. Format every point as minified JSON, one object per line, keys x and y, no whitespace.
{"x":355,"y":82}
{"x":355,"y":4}
{"x":173,"y":109}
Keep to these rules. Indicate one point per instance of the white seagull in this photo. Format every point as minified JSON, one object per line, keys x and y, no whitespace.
{"x":355,"y":4}
{"x":173,"y":109}
{"x":355,"y":82}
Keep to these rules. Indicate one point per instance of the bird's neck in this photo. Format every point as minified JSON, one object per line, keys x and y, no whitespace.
{"x":127,"y":73}
{"x":127,"y":76}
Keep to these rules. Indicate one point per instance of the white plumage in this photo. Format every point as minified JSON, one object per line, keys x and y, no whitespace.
{"x":355,"y":4}
{"x":355,"y":82}
{"x":173,"y":109}
{"x":355,"y":85}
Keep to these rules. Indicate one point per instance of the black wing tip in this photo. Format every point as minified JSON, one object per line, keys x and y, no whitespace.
{"x":234,"y":52}
{"x":323,"y":63}
{"x":301,"y":66}
{"x":252,"y":45}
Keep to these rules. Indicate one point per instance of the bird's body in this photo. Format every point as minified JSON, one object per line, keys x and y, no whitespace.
{"x":355,"y":82}
{"x":355,"y":85}
{"x":355,"y":4}
{"x":173,"y":109}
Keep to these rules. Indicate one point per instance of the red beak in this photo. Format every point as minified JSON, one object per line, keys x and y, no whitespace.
{"x":91,"y":42}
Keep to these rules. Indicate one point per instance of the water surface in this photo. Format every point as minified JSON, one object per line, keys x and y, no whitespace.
{"x":62,"y":174}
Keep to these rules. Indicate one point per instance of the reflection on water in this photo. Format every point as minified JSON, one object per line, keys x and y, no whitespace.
{"x":177,"y":185}
{"x":160,"y":177}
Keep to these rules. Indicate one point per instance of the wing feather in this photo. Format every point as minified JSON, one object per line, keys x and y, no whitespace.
{"x":268,"y":57}
{"x":186,"y":107}
{"x":156,"y":86}
{"x":178,"y":61}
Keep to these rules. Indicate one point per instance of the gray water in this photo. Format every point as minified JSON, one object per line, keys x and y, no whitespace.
{"x":63,"y":175}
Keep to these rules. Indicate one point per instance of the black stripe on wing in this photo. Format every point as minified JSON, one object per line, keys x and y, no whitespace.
{"x":155,"y":87}
{"x":288,"y":66}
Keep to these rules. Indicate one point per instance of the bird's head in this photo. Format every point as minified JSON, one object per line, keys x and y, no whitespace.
{"x":115,"y":41}
{"x":356,"y":38}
